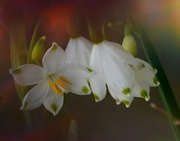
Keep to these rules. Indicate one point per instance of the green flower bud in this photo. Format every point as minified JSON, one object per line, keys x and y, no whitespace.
{"x":38,"y":50}
{"x":129,"y":44}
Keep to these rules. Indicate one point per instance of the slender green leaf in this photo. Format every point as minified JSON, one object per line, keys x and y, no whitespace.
{"x":165,"y":90}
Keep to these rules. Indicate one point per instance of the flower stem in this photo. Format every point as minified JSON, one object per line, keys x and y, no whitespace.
{"x":28,"y":116}
{"x":19,"y":55}
{"x":104,"y":30}
{"x":94,"y":32}
{"x":165,"y":90}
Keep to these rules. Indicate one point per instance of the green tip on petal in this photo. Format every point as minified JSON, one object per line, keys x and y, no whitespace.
{"x":65,"y":92}
{"x":90,"y":70}
{"x":55,"y":46}
{"x":155,"y":70}
{"x":85,"y":89}
{"x":145,"y":95}
{"x":126,"y":91}
{"x":16,"y":71}
{"x":89,"y":84}
{"x":24,"y":106}
{"x":126,"y":103}
{"x":96,"y":97}
{"x":54,"y":107}
{"x":143,"y":66}
{"x":118,"y":101}
{"x":155,"y":80}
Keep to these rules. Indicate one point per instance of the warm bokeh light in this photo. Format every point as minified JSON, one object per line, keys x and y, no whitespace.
{"x":160,"y":14}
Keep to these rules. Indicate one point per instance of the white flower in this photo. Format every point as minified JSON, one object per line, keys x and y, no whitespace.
{"x":52,"y":80}
{"x":144,"y":79}
{"x":125,"y":76}
{"x":78,"y":51}
{"x":113,"y":66}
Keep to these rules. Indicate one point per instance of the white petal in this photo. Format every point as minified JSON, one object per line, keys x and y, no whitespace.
{"x":75,"y":83}
{"x":76,"y":69}
{"x":147,"y":73}
{"x":119,"y":97}
{"x":53,"y":102}
{"x":147,"y":66}
{"x":53,"y":59}
{"x":113,"y":94}
{"x":120,"y":79}
{"x":28,"y":74}
{"x":117,"y":51}
{"x":141,"y":91}
{"x":98,"y":87}
{"x":97,"y":81}
{"x":35,"y":96}
{"x":78,"y":51}
{"x":118,"y":74}
{"x":141,"y":88}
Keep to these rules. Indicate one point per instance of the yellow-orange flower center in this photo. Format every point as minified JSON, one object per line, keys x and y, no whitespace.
{"x":58,"y":85}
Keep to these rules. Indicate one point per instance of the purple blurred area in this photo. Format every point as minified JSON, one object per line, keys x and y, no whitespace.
{"x":103,"y":121}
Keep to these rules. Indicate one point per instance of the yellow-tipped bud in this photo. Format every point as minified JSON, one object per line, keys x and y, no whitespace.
{"x":129,"y":44}
{"x":38,"y":50}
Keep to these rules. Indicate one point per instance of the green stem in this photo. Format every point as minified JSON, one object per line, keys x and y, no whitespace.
{"x":28,"y":116}
{"x":19,"y":55}
{"x":94,"y":33}
{"x":167,"y":96}
{"x":104,"y":30}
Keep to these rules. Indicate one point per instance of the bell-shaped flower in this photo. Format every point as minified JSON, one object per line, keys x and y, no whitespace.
{"x":144,"y":79}
{"x":113,"y":66}
{"x":78,"y":51}
{"x":51,"y":80}
{"x":145,"y":74}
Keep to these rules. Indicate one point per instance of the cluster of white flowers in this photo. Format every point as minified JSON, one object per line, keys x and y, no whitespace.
{"x":85,"y":68}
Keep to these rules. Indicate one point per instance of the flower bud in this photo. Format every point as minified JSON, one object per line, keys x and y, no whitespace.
{"x":129,"y":44}
{"x":38,"y":50}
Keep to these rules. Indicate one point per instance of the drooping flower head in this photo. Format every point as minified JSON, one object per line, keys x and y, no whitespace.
{"x":125,"y":76}
{"x":51,"y":80}
{"x":117,"y":69}
{"x":112,"y":64}
{"x":144,"y":74}
{"x":144,"y":79}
